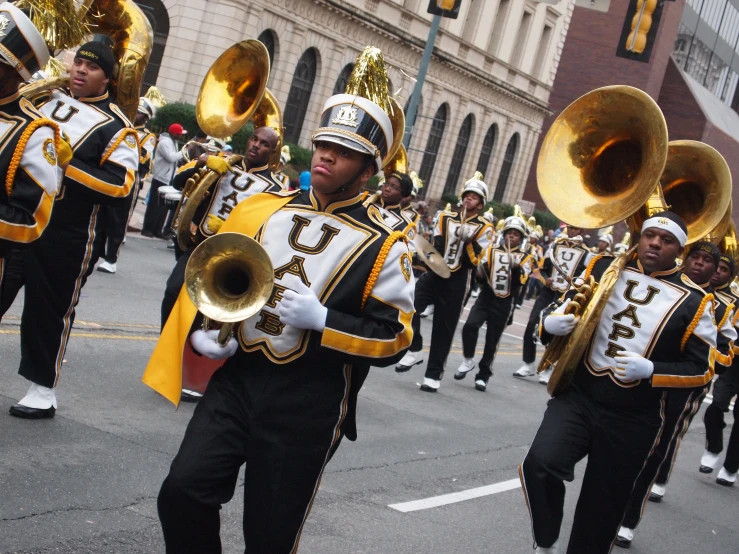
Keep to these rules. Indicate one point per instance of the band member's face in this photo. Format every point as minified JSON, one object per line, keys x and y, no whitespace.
{"x":392,"y":191}
{"x":700,"y":267}
{"x":259,"y":147}
{"x":140,"y":119}
{"x":574,"y":231}
{"x":533,"y":240}
{"x":657,"y":250}
{"x":602,"y":245}
{"x":722,"y":275}
{"x":471,"y":201}
{"x":333,"y":166}
{"x":513,"y":237}
{"x":87,"y":79}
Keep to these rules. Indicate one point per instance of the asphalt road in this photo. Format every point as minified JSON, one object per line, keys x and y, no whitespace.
{"x":86,"y":481}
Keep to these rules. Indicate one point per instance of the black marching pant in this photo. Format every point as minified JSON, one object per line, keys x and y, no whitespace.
{"x":174,"y":285}
{"x":156,"y":211}
{"x":724,"y":389}
{"x":546,"y":297}
{"x":447,"y":296}
{"x":116,"y":222}
{"x":491,"y":310}
{"x":282,"y":422}
{"x":53,"y":270}
{"x":616,"y":443}
{"x":680,"y":408}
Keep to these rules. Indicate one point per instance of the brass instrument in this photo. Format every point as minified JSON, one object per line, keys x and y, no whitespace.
{"x":398,"y":163}
{"x":229,"y":277}
{"x":599,"y":163}
{"x":397,"y":119}
{"x":232,"y":92}
{"x":724,"y":236}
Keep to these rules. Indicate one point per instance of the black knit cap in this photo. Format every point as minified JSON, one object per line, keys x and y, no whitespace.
{"x":98,"y":53}
{"x":406,"y":183}
{"x":707,"y":247}
{"x":728,"y":260}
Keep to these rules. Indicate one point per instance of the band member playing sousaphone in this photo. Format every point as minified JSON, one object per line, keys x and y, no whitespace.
{"x":460,"y":237}
{"x":655,"y":332}
{"x":341,"y":300}
{"x":505,"y":270}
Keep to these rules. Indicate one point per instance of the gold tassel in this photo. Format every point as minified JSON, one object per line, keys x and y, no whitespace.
{"x":58,"y":21}
{"x":54,"y":68}
{"x":476,"y":177}
{"x":369,"y":78}
{"x":155,"y":96}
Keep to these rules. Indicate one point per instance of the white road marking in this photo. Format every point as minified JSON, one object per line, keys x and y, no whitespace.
{"x":461,"y":496}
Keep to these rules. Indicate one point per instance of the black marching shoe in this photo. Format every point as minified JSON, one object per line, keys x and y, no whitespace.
{"x":430,"y":385}
{"x":407,"y":362}
{"x":481,"y":385}
{"x":32,"y":413}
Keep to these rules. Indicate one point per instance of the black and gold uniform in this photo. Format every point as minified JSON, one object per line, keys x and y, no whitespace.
{"x":388,"y":215}
{"x":102,"y":171}
{"x":664,"y":323}
{"x":461,"y":244}
{"x":505,"y":274}
{"x":235,"y":185}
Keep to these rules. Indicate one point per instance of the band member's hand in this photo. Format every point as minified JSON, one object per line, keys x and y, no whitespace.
{"x":206,"y":342}
{"x":217,"y":164}
{"x":302,"y":309}
{"x":558,"y":323}
{"x":549,"y":281}
{"x":64,"y":152}
{"x":631,"y":366}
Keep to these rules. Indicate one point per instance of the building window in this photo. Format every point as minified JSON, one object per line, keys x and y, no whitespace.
{"x":521,"y":39}
{"x":299,"y":96}
{"x":499,"y":26}
{"x":157,"y":15}
{"x":488,"y":145}
{"x":432,"y":146}
{"x":343,"y":79}
{"x":541,"y":52}
{"x":460,"y":151}
{"x":268,"y":39}
{"x":505,"y":170}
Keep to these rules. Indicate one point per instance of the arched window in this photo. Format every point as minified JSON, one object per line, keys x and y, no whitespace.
{"x":505,"y":170}
{"x":267,"y":37}
{"x":340,"y":85}
{"x":299,"y":96}
{"x":432,"y":146}
{"x":157,"y":15}
{"x":488,"y":145}
{"x":460,"y":151}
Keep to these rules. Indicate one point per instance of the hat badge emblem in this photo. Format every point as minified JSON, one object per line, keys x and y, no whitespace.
{"x":4,"y":21}
{"x":347,"y":116}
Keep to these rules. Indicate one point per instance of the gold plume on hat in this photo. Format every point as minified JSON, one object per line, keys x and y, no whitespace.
{"x":531,"y":222}
{"x":518,"y":212}
{"x":448,"y":207}
{"x":369,"y":78}
{"x":285,"y":153}
{"x":155,"y":96}
{"x":416,"y":180}
{"x":54,"y":68}
{"x":476,"y":177}
{"x":60,"y":22}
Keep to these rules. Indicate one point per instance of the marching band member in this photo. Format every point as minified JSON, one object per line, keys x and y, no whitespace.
{"x":342,"y":299}
{"x":461,"y":243}
{"x":506,"y":269}
{"x":55,"y":268}
{"x":387,"y":209}
{"x":603,"y":247}
{"x":118,"y":216}
{"x":656,"y":332}
{"x":681,"y":405}
{"x":570,"y":254}
{"x":29,"y":160}
{"x":725,"y":388}
{"x":248,"y":177}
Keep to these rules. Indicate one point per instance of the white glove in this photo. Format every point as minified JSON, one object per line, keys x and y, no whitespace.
{"x":206,"y":342}
{"x":630,"y":366}
{"x":559,"y":324}
{"x":302,"y":309}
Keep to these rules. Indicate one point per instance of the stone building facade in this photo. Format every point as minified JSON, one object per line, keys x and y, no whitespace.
{"x":485,"y":96}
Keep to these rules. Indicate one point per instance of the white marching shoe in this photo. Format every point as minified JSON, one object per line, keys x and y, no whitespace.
{"x":624,"y":537}
{"x":554,"y":549}
{"x":475,"y":293}
{"x":725,"y":478}
{"x":545,"y":375}
{"x":526,"y":370}
{"x":430,"y":385}
{"x":709,"y":461}
{"x":467,"y":365}
{"x":656,"y":493}
{"x":408,"y":361}
{"x":106,"y":267}
{"x":481,"y":385}
{"x":39,"y":403}
{"x":428,"y":311}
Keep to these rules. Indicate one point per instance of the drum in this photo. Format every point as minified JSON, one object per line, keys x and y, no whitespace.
{"x":172,"y":200}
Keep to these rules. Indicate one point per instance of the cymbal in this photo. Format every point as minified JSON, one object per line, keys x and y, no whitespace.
{"x":429,"y":255}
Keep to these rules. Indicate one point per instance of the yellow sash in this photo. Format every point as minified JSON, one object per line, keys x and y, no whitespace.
{"x":163,"y":373}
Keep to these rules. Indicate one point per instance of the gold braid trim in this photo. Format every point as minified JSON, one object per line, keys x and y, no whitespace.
{"x":125,"y":132}
{"x":15,"y":161}
{"x":726,"y":316}
{"x":696,"y":318}
{"x":591,"y":265}
{"x":394,"y":237}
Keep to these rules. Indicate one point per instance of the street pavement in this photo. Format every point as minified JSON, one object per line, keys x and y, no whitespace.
{"x":87,"y":480}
